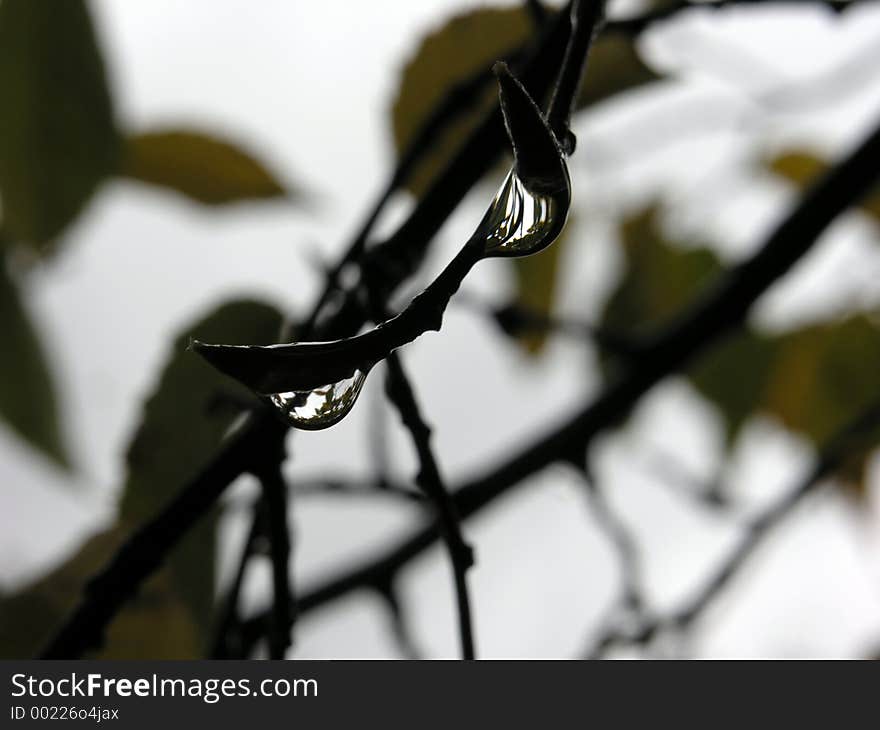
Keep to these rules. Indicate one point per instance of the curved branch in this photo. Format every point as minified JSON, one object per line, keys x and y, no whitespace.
{"x":702,"y":325}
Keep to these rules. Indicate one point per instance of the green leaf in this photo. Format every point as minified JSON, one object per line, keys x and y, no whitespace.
{"x":813,"y":380}
{"x":660,"y":278}
{"x":802,"y":167}
{"x":471,"y":42}
{"x":183,"y":423}
{"x":201,"y":167}
{"x":27,"y":393}
{"x":57,"y":135}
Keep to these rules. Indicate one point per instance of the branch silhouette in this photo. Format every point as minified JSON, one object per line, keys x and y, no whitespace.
{"x":703,"y":324}
{"x":859,"y":433}
{"x":389,"y":264}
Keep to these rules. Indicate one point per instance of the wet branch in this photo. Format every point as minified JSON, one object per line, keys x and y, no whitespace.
{"x":228,"y":619}
{"x":394,"y":260}
{"x":631,"y":601}
{"x":283,"y":604}
{"x":429,"y":479}
{"x":516,"y":320}
{"x":145,"y":550}
{"x":704,"y":323}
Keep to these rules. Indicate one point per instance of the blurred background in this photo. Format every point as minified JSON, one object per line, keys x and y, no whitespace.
{"x":257,"y":136}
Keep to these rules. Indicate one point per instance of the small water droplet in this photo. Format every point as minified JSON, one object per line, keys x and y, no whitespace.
{"x":313,"y":410}
{"x":520,"y":222}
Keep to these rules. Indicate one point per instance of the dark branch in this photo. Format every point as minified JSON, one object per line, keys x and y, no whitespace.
{"x":703,"y":324}
{"x":146,"y":549}
{"x":586,"y":17}
{"x":394,"y":261}
{"x":228,"y":617}
{"x":283,"y":603}
{"x":429,"y":479}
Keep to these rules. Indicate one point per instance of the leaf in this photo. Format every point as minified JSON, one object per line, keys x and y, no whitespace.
{"x":536,"y":280}
{"x":183,"y":422}
{"x":802,"y":168}
{"x":57,"y":136}
{"x":466,"y":45}
{"x":201,"y":167}
{"x":614,"y":67}
{"x":813,"y":380}
{"x":470,"y":43}
{"x":27,"y":392}
{"x":659,"y":279}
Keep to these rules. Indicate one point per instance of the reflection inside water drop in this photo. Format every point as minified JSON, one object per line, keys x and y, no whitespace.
{"x":313,"y":410}
{"x":520,"y":222}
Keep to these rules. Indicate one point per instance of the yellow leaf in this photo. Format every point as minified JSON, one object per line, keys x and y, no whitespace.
{"x":203,"y":168}
{"x":468,"y":44}
{"x":536,"y":282}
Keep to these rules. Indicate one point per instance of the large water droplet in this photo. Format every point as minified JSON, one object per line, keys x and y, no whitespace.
{"x":322,"y":407}
{"x":521,"y":222}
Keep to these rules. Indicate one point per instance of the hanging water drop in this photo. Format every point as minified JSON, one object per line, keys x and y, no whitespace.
{"x":520,"y":222}
{"x":315,"y":384}
{"x":322,"y":407}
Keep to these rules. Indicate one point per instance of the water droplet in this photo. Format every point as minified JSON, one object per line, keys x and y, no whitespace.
{"x":521,"y":222}
{"x":313,"y":410}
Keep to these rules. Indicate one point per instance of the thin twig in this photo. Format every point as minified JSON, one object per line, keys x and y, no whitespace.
{"x":475,"y":157}
{"x":586,"y":18}
{"x":147,"y":547}
{"x":705,"y":322}
{"x":857,"y":435}
{"x":516,"y":320}
{"x":283,"y":604}
{"x":429,"y":479}
{"x":399,"y":628}
{"x":228,"y":617}
{"x":624,"y":544}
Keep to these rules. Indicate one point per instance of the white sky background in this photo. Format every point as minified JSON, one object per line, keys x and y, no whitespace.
{"x":141,"y":264}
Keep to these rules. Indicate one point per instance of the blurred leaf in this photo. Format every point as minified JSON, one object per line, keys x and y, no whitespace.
{"x":733,"y":375}
{"x":183,"y":422}
{"x":57,"y":136}
{"x":203,"y":168}
{"x":660,"y":277}
{"x":614,"y":67}
{"x":536,"y":283}
{"x":27,"y":393}
{"x":154,"y":625}
{"x":465,"y":45}
{"x":813,"y":380}
{"x":802,"y":168}
{"x":470,"y":43}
